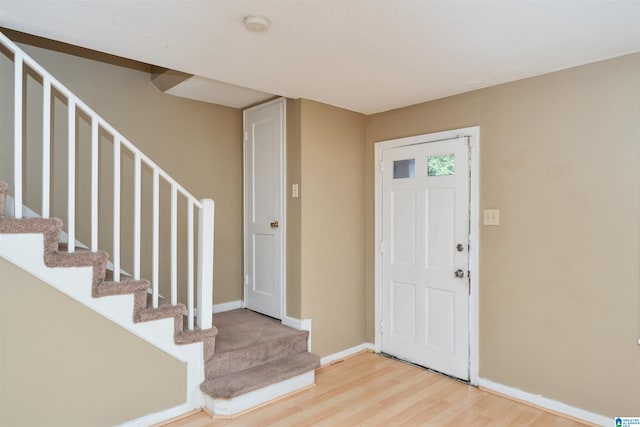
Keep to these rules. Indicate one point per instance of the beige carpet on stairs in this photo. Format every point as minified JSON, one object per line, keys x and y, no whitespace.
{"x":243,"y":352}
{"x":254,"y":351}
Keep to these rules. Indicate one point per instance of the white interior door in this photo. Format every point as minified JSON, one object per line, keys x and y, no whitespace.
{"x":425,"y":261}
{"x":264,"y":219}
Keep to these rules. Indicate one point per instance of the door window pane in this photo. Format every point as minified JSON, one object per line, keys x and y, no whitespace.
{"x":441,"y":165}
{"x":404,"y":168}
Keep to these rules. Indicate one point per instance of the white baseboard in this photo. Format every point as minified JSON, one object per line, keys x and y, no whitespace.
{"x":227,"y":306}
{"x":299,"y":324}
{"x":161,"y":417}
{"x":546,"y":403}
{"x":346,"y":353}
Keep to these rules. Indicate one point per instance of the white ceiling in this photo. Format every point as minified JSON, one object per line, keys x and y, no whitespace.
{"x":363,"y":55}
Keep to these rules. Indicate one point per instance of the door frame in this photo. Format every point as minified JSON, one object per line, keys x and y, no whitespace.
{"x":283,"y":203}
{"x":473,"y":133}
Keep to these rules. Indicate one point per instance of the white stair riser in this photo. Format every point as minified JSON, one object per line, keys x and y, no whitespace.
{"x":239,"y":404}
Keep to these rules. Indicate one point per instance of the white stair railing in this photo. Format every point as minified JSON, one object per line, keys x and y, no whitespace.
{"x":205,"y":207}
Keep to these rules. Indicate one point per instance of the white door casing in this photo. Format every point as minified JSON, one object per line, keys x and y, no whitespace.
{"x":264,"y":211}
{"x":424,"y":313}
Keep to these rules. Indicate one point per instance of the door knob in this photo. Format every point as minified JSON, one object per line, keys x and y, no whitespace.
{"x":459,"y":274}
{"x":460,"y":247}
{"x":275,"y":224}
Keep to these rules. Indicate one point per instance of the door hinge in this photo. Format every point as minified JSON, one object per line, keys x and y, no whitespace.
{"x":381,"y":166}
{"x":246,"y":279}
{"x":381,"y":246}
{"x":381,"y":327}
{"x":246,"y":136}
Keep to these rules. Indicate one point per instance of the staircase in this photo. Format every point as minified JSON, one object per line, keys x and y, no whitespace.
{"x":33,"y":245}
{"x":249,"y":359}
{"x":245,"y":360}
{"x":257,"y":359}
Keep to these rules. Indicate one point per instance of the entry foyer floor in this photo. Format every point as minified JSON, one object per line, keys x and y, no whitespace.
{"x":373,"y":390}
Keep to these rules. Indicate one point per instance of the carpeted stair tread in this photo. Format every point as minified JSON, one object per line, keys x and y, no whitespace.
{"x":30,"y":225}
{"x":126,"y":285}
{"x":206,"y":336}
{"x":80,"y":258}
{"x":123,"y":277}
{"x":136,"y":287}
{"x":242,"y":382}
{"x":227,"y":362}
{"x":63,"y":247}
{"x":164,"y":310}
{"x":241,"y":328}
{"x":247,"y":339}
{"x":197,"y":334}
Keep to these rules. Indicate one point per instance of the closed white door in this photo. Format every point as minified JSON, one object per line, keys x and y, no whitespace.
{"x":425,"y":261}
{"x":264,"y":222}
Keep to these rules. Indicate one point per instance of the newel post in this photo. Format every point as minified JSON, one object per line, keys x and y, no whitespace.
{"x":205,"y":264}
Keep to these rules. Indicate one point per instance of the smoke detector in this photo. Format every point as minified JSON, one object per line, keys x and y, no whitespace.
{"x":256,"y":23}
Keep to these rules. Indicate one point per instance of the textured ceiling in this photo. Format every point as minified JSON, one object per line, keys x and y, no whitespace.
{"x":363,"y":55}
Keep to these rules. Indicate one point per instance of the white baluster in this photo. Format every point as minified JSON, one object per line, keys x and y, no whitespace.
{"x":94,"y":183}
{"x":71,"y":177}
{"x":46,"y":146}
{"x":174,"y":245}
{"x":116,"y":208}
{"x":17,"y":135}
{"x":156,"y":238}
{"x":205,"y":263}
{"x":190,"y":264}
{"x":137,"y":172}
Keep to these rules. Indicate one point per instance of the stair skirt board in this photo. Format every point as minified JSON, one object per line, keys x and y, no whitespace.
{"x":227,"y":408}
{"x":26,"y":251}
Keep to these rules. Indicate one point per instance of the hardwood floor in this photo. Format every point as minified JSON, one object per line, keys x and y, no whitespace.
{"x":373,"y":390}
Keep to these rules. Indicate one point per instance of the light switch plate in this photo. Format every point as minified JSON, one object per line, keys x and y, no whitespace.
{"x":491,"y":216}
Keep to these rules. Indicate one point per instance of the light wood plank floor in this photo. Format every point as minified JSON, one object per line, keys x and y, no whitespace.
{"x":373,"y":390}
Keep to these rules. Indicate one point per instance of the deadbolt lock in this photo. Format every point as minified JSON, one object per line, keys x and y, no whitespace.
{"x":460,"y":247}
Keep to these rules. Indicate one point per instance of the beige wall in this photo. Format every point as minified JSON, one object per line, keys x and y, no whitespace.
{"x":294,"y":218}
{"x":61,"y":364}
{"x":559,"y":278}
{"x":332,"y":196}
{"x":197,"y":143}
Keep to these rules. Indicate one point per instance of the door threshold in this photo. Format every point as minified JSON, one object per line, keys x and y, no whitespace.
{"x":460,"y":380}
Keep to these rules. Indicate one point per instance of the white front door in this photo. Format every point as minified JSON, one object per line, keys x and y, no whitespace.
{"x":425,"y":260}
{"x":264,"y":219}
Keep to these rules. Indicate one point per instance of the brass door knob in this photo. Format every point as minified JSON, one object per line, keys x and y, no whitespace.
{"x":275,"y":224}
